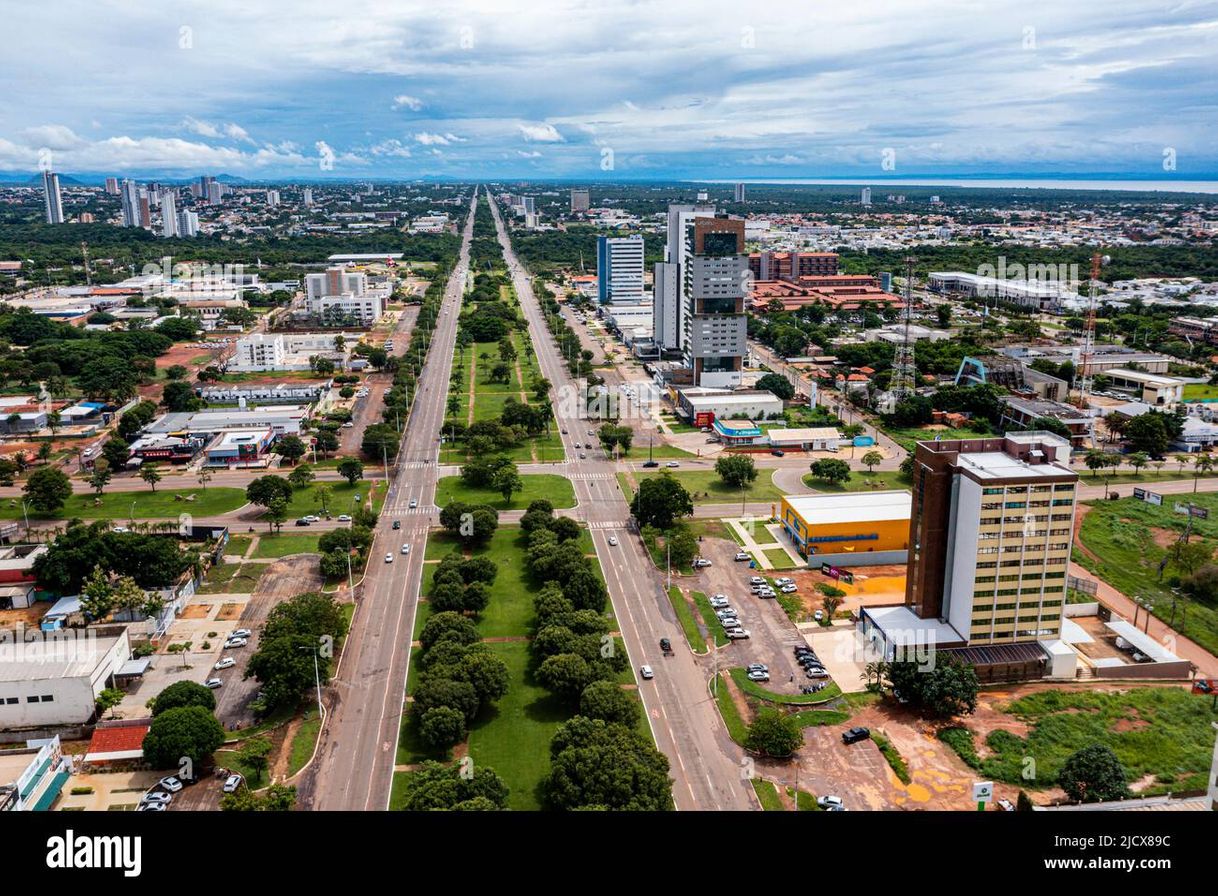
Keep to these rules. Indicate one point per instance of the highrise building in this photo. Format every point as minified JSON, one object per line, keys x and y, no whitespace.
{"x":581,"y":201}
{"x":990,"y":533}
{"x":205,"y":183}
{"x":528,"y":203}
{"x":865,"y":198}
{"x":112,"y":186}
{"x":145,"y":210}
{"x":716,"y":282}
{"x":668,"y":308}
{"x":739,"y":194}
{"x":188,"y":223}
{"x":215,"y":192}
{"x":619,"y":269}
{"x":130,"y":196}
{"x":169,"y":215}
{"x":308,"y":195}
{"x":767,"y":265}
{"x":272,"y":198}
{"x":51,"y":197}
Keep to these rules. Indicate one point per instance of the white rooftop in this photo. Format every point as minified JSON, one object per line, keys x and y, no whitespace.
{"x":853,"y":507}
{"x":70,"y":653}
{"x":1000,"y":465}
{"x":904,"y":628}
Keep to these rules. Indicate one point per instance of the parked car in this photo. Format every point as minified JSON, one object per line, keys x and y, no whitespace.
{"x":788,"y":589}
{"x":819,"y":615}
{"x":348,"y":425}
{"x":830,"y":803}
{"x":227,"y":663}
{"x":759,"y":676}
{"x":213,"y":683}
{"x":240,"y":633}
{"x":757,"y":667}
{"x":784,"y":580}
{"x":646,"y":672}
{"x":757,"y":580}
{"x":231,"y":783}
{"x":816,"y":672}
{"x":151,"y":807}
{"x":170,"y":784}
{"x":725,"y":611}
{"x":854,"y":735}
{"x":701,"y":563}
{"x":718,"y":602}
{"x":235,"y":642}
{"x":737,"y":634}
{"x":157,"y":798}
{"x":583,"y":456}
{"x":742,"y":555}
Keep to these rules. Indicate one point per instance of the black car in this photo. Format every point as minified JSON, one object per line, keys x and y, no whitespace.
{"x":802,"y":648}
{"x":651,"y":463}
{"x":665,"y":645}
{"x":778,"y":452}
{"x":302,"y":522}
{"x":397,"y":524}
{"x":854,"y":735}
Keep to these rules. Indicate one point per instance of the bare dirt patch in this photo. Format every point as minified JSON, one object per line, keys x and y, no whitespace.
{"x":229,"y":612}
{"x":195,"y":611}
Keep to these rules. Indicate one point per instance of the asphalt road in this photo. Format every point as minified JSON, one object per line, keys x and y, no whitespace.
{"x":706,"y":766}
{"x":358,"y":744}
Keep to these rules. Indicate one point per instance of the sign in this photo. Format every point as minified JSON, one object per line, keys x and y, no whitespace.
{"x":1193,"y":510}
{"x":983,"y":792}
{"x":1208,"y":686}
{"x":704,"y":418}
{"x":835,"y":572}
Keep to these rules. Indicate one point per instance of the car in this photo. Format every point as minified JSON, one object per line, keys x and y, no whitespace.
{"x":725,"y":611}
{"x":227,"y":663}
{"x":701,"y":563}
{"x":712,"y":440}
{"x":718,"y":602}
{"x":646,"y":672}
{"x":564,"y":432}
{"x":344,"y":517}
{"x":578,"y":445}
{"x":758,"y":675}
{"x":816,"y":672}
{"x":819,"y":615}
{"x":613,"y":541}
{"x":389,"y":558}
{"x":729,"y":623}
{"x":240,"y":633}
{"x":405,"y":549}
{"x":738,"y":634}
{"x":778,"y":452}
{"x":672,"y":464}
{"x":151,"y":807}
{"x":231,"y":783}
{"x":854,"y":735}
{"x":757,"y":580}
{"x":235,"y":642}
{"x":170,"y":784}
{"x":742,"y":555}
{"x":830,"y":803}
{"x":583,"y":456}
{"x":784,"y":580}
{"x":312,"y":518}
{"x":302,"y":522}
{"x":802,"y":648}
{"x":591,"y":433}
{"x":397,"y":524}
{"x":757,"y":667}
{"x":213,"y":683}
{"x":348,"y":425}
{"x":788,"y":589}
{"x":766,"y":593}
{"x":665,"y":645}
{"x":414,"y":502}
{"x":649,"y":464}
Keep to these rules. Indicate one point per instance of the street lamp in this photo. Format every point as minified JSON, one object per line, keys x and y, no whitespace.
{"x":316,"y":679}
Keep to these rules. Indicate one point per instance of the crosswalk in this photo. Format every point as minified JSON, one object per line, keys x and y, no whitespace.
{"x":590,"y":477}
{"x":607,"y":524}
{"x":421,"y":510}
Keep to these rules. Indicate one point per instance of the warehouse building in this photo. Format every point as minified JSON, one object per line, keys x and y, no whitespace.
{"x":54,"y":679}
{"x":855,"y":529}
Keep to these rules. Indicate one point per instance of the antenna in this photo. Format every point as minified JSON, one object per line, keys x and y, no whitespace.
{"x":84,"y":250}
{"x":1086,"y":357}
{"x":903,"y":371}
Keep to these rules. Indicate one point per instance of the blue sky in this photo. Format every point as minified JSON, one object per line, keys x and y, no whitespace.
{"x":604,"y":90}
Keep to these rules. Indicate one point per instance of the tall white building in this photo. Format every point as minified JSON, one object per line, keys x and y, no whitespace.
{"x":131,"y":203}
{"x":112,"y":186}
{"x":739,"y":194}
{"x":188,"y":223}
{"x":51,"y":197}
{"x":619,"y":269}
{"x":272,"y":198}
{"x":308,"y":195}
{"x":169,"y":215}
{"x":339,"y":293}
{"x":865,"y":198}
{"x":670,"y":292}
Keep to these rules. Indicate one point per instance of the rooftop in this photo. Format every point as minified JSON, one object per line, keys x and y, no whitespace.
{"x":71,"y":653}
{"x":854,"y":507}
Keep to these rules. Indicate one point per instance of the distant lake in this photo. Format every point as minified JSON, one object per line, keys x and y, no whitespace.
{"x":1165,"y":186}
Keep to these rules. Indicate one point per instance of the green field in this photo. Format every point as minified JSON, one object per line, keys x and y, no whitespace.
{"x":689,"y":625}
{"x":141,"y":505}
{"x":232,"y":578}
{"x":1122,"y":534}
{"x":304,"y":741}
{"x":702,"y":602}
{"x":706,"y":487}
{"x":1164,"y":733}
{"x":860,"y":481}
{"x":238,"y":544}
{"x":340,"y":498}
{"x":1200,"y":392}
{"x":275,"y":546}
{"x":555,"y":489}
{"x":737,"y":729}
{"x":767,"y":793}
{"x":780,"y":559}
{"x":753,"y":689}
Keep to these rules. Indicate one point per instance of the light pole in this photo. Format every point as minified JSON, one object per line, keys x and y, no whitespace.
{"x":316,"y":679}
{"x":25,"y":511}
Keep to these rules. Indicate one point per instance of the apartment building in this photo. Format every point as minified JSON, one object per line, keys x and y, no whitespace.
{"x":339,"y":294}
{"x":581,"y":201}
{"x":619,"y":269}
{"x":792,"y":265}
{"x":715,"y":282}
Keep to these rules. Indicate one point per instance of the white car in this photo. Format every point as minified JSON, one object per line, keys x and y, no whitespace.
{"x":784,"y":580}
{"x":718,"y":602}
{"x":170,"y":784}
{"x":213,"y":683}
{"x":235,"y":642}
{"x":312,"y":518}
{"x":389,"y":558}
{"x":818,"y":615}
{"x":414,"y":502}
{"x":759,"y":676}
{"x":788,"y":589}
{"x":725,"y":611}
{"x":227,"y":663}
{"x":701,"y":562}
{"x":672,"y":463}
{"x":613,"y":541}
{"x":151,"y":807}
{"x":757,"y":580}
{"x":157,"y":798}
{"x":239,"y":633}
{"x":405,"y":549}
{"x":646,"y":672}
{"x":348,"y":425}
{"x":737,"y":634}
{"x":344,"y":518}
{"x":830,"y":803}
{"x":742,"y":555}
{"x":231,"y":783}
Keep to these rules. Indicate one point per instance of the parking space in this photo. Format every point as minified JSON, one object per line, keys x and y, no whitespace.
{"x":856,"y":772}
{"x":107,"y":792}
{"x":840,"y":649}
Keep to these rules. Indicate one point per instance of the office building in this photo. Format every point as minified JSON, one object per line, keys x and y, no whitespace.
{"x":619,"y":269}
{"x":792,"y":265}
{"x":145,"y":210}
{"x":308,"y":195}
{"x":990,"y":536}
{"x":272,"y":198}
{"x":342,"y":296}
{"x":188,"y":223}
{"x":56,"y":679}
{"x":215,"y":193}
{"x":335,"y":281}
{"x":669,"y":287}
{"x":739,"y":193}
{"x":865,"y":198}
{"x":169,"y":216}
{"x":858,"y":529}
{"x":51,"y":197}
{"x":528,"y":204}
{"x":581,"y":201}
{"x":112,"y":186}
{"x":205,"y":184}
{"x":716,"y":283}
{"x":131,"y":203}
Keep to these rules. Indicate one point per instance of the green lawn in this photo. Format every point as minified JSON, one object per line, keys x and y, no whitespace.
{"x":908,"y":437}
{"x":1160,"y":732}
{"x":232,"y":578}
{"x":686,"y":617}
{"x":238,"y":545}
{"x":142,"y":505}
{"x":767,"y":793}
{"x":554,"y":489}
{"x":753,"y":689}
{"x":1122,"y":534}
{"x":275,"y":546}
{"x":707,"y":488}
{"x":303,"y":742}
{"x":702,"y":602}
{"x":1200,"y":391}
{"x":736,"y":728}
{"x":861,"y":481}
{"x":762,"y":535}
{"x":780,"y":559}
{"x":340,"y":499}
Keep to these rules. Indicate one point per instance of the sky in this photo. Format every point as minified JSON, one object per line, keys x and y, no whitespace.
{"x":628,"y":89}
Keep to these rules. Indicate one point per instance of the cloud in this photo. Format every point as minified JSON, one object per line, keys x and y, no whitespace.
{"x":215,"y":131}
{"x":53,"y":136}
{"x":446,"y":139}
{"x":405,"y":101}
{"x":528,"y":155}
{"x":391,"y":148}
{"x":541,"y":133}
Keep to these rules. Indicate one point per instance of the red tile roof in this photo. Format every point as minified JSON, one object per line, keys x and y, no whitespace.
{"x":119,"y":739}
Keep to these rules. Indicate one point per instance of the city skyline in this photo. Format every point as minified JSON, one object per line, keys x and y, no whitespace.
{"x":650,"y":91}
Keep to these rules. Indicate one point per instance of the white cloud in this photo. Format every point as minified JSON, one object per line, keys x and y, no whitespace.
{"x":405,"y":101}
{"x":445,"y":139}
{"x":528,"y":155}
{"x":392,"y":148}
{"x":215,"y":131}
{"x":541,"y":133}
{"x":53,"y":136}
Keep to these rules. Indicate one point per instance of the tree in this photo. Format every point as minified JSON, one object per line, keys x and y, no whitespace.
{"x":187,"y":732}
{"x":276,"y":513}
{"x":442,"y":726}
{"x":594,"y":764}
{"x":97,"y":596}
{"x":681,"y":545}
{"x":326,"y":441}
{"x":566,"y":675}
{"x":116,"y":452}
{"x":254,"y":754}
{"x":301,"y":476}
{"x":182,"y":693}
{"x":1093,"y":775}
{"x":441,"y":627}
{"x":108,"y":699}
{"x":1203,"y":464}
{"x":150,"y":474}
{"x":47,"y":489}
{"x":736,"y":470}
{"x":1148,"y":433}
{"x":507,"y":482}
{"x":176,"y":372}
{"x":1138,"y":460}
{"x":45,"y":450}
{"x":179,"y":396}
{"x":871,"y":458}
{"x":291,"y":448}
{"x":99,"y":478}
{"x":276,"y":798}
{"x":265,"y":489}
{"x":773,"y":733}
{"x":779,"y":385}
{"x":949,"y":689}
{"x":605,"y":700}
{"x":435,"y":786}
{"x":660,"y":501}
{"x":831,"y":469}
{"x":351,"y":469}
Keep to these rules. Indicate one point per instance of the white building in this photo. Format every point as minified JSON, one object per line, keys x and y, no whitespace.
{"x":339,"y":293}
{"x":188,"y":223}
{"x":272,"y":198}
{"x":54,"y":678}
{"x":169,"y":217}
{"x":619,"y":269}
{"x":31,"y":778}
{"x":697,"y":402}
{"x":130,"y":196}
{"x":308,"y":195}
{"x":52,"y":198}
{"x":258,"y":351}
